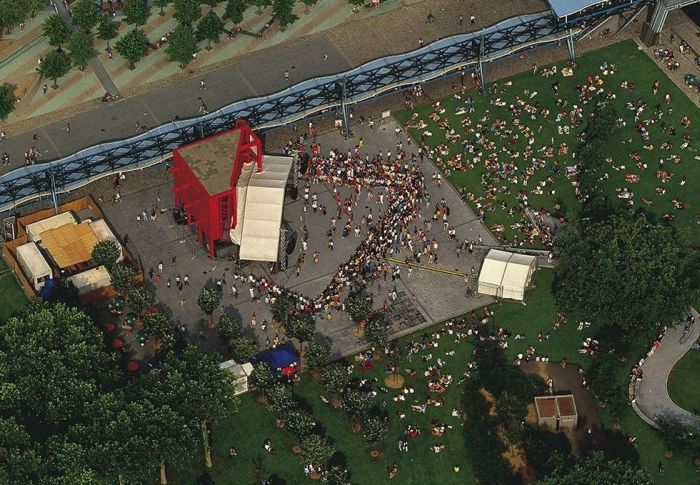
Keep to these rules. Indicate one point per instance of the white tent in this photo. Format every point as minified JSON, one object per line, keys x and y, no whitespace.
{"x":264,"y":202}
{"x":104,"y":233}
{"x":240,"y":372}
{"x":506,"y":275}
{"x":35,"y":229}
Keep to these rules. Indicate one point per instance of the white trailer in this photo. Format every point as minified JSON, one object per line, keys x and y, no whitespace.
{"x":33,"y":264}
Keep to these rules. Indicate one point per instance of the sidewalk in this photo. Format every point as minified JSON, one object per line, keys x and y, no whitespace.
{"x":652,"y":401}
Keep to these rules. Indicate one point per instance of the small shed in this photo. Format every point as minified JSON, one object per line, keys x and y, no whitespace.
{"x":506,"y":275}
{"x":556,"y":412}
{"x":33,"y":264}
{"x":241,"y":373}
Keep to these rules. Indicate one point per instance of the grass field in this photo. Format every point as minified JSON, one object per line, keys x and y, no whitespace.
{"x":632,"y":65}
{"x":247,"y":430}
{"x":12,"y":297}
{"x":682,"y":383}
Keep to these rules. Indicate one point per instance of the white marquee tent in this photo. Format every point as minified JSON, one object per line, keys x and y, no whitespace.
{"x":262,"y":211}
{"x":506,"y":275}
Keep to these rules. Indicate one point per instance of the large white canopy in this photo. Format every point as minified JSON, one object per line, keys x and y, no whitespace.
{"x":506,"y":275}
{"x":262,"y":213}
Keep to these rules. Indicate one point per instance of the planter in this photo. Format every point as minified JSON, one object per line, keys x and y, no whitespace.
{"x":359,"y":332}
{"x":315,"y":375}
{"x":336,"y":401}
{"x":279,"y":423}
{"x":356,"y":427}
{"x":296,"y":449}
{"x":616,"y":426}
{"x":262,"y":398}
{"x":211,"y":325}
{"x":668,"y":454}
{"x":315,"y":475}
{"x":697,"y":462}
{"x":377,"y":354}
{"x":376,"y":454}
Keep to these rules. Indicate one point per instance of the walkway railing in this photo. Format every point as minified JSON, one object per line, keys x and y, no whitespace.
{"x":309,"y":98}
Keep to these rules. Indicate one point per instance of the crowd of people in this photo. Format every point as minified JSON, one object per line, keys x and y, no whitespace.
{"x":506,"y":145}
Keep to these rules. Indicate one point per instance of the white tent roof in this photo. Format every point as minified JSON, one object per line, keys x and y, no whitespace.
{"x":92,"y":279}
{"x":507,"y":270}
{"x":264,"y":203}
{"x":32,"y":261}
{"x":35,"y":229}
{"x":104,"y":233}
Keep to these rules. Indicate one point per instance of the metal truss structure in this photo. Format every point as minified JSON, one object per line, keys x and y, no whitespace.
{"x":309,"y":98}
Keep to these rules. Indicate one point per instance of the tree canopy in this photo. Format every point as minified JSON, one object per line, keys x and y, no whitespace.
{"x":133,"y":46}
{"x":107,"y":29}
{"x":56,"y":29}
{"x":81,"y":50}
{"x":234,"y":10}
{"x":182,"y":45}
{"x":283,"y":12}
{"x":597,"y":469}
{"x":136,"y":12}
{"x":187,"y":11}
{"x":627,"y":273}
{"x":7,"y":102}
{"x":210,"y":28}
{"x":105,"y":253}
{"x":56,"y":64}
{"x":85,"y":14}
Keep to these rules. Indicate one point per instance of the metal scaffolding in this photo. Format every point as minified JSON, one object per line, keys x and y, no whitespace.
{"x":313,"y":97}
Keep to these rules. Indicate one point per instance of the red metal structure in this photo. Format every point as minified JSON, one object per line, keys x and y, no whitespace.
{"x":206,"y":173}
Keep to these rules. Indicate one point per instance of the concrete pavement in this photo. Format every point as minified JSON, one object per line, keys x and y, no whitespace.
{"x":652,"y":400}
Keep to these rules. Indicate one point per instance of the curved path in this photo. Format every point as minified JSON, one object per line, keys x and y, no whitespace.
{"x":652,"y":401}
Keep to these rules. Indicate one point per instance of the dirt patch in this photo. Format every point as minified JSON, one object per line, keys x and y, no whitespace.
{"x":531,"y":417}
{"x":489,"y":399}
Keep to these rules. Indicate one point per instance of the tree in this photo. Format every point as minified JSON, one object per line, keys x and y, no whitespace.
{"x":335,"y":378}
{"x":263,"y":378}
{"x":182,"y":45}
{"x":281,"y":309}
{"x":337,"y":475}
{"x":679,"y":437}
{"x":356,"y":404}
{"x":187,"y":11}
{"x":161,"y":4}
{"x":80,"y":49}
{"x":7,"y":102}
{"x":56,"y":64}
{"x":229,"y":329}
{"x":244,"y":349}
{"x":357,"y":3}
{"x":261,"y":4}
{"x":283,"y":12}
{"x":11,"y":14}
{"x":316,"y":450}
{"x":301,"y":327}
{"x":309,"y":3}
{"x":376,"y":333}
{"x":234,"y":10}
{"x":52,"y":364}
{"x":358,"y":308}
{"x":211,"y":3}
{"x":280,"y":399}
{"x":628,"y":274}
{"x":122,"y":276}
{"x":85,"y":15}
{"x":375,"y":429}
{"x":136,"y":12}
{"x":317,"y":356}
{"x":208,"y":301}
{"x":19,"y":461}
{"x":158,"y":326}
{"x":596,"y":468}
{"x":56,"y":29}
{"x":300,"y":423}
{"x":132,"y":47}
{"x":192,"y":384}
{"x":210,"y":28}
{"x":105,"y":253}
{"x":107,"y":29}
{"x":139,"y":298}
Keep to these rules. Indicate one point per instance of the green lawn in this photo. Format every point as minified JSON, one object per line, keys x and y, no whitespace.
{"x":12,"y":297}
{"x":634,"y":66}
{"x":682,"y":383}
{"x":247,"y":430}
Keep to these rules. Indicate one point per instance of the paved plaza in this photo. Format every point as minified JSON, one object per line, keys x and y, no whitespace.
{"x":424,"y":297}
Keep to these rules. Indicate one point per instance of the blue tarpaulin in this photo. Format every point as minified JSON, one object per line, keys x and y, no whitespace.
{"x":564,"y":8}
{"x":279,"y":357}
